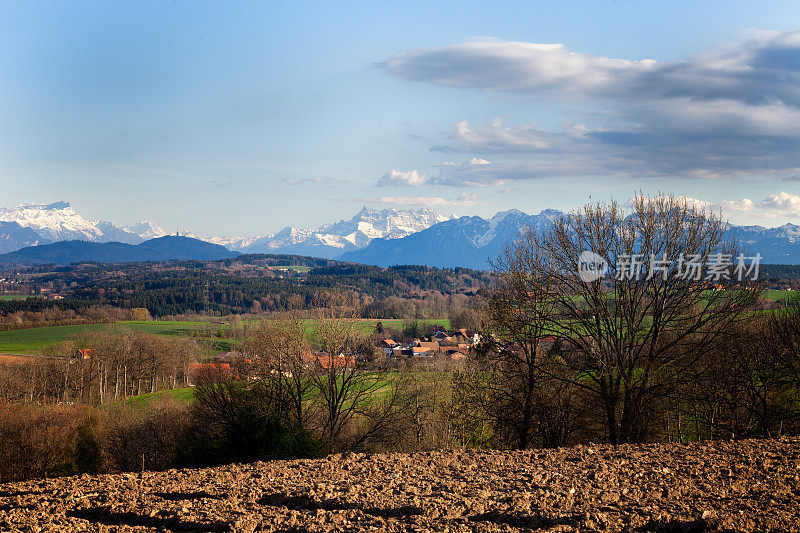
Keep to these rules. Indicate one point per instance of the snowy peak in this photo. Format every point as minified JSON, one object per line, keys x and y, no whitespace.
{"x":57,"y":221}
{"x":146,"y":230}
{"x":331,"y":240}
{"x":385,"y":223}
{"x":113,"y":233}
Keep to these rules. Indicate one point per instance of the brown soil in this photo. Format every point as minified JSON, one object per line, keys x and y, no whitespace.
{"x":721,"y":486}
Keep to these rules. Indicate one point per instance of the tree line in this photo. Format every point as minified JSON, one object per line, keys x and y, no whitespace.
{"x":96,"y":368}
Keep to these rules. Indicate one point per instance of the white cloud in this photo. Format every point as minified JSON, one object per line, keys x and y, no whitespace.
{"x":732,"y":111}
{"x":497,"y":137}
{"x":468,"y":198}
{"x":775,"y":205}
{"x":687,"y":200}
{"x":221,"y":184}
{"x":479,"y":161}
{"x":781,"y":205}
{"x":513,"y":66}
{"x":411,"y":178}
{"x":462,"y":199}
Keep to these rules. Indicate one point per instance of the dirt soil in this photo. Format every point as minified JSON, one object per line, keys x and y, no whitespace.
{"x":718,"y":486}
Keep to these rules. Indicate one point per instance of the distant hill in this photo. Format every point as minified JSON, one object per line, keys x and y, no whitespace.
{"x":161,"y":249}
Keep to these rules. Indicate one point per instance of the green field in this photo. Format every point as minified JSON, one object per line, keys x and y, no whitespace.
{"x":185,"y":395}
{"x":7,"y":297}
{"x":368,"y":324}
{"x":31,"y":340}
{"x":26,"y":341}
{"x":779,"y":296}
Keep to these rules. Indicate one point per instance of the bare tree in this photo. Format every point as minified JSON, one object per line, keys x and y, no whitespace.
{"x":629,"y":334}
{"x":281,"y":353}
{"x":515,"y":387}
{"x":354,"y":393}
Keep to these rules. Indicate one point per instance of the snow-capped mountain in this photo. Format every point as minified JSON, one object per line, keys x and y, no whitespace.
{"x":33,"y":224}
{"x":47,"y":223}
{"x":231,"y":243}
{"x":467,"y":241}
{"x":55,"y":222}
{"x":332,"y":240}
{"x":474,"y":242}
{"x":381,"y":237}
{"x":112,"y":233}
{"x":779,"y":245}
{"x":146,"y":230}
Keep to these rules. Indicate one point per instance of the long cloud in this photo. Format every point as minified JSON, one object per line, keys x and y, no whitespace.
{"x":732,"y":111}
{"x":462,"y":199}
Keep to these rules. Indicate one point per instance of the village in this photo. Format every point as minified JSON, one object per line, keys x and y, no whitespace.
{"x":440,"y":345}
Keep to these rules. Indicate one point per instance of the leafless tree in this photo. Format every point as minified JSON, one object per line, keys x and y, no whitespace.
{"x":281,"y":355}
{"x":354,"y":393}
{"x":629,"y":334}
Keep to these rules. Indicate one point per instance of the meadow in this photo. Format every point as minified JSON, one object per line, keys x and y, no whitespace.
{"x":10,"y":297}
{"x":32,"y":340}
{"x":779,"y":296}
{"x":183,"y":395}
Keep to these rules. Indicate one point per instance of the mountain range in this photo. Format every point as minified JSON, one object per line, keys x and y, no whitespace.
{"x":60,"y":222}
{"x":36,"y":224}
{"x":332,"y":240}
{"x":474,"y":242}
{"x":466,"y":241}
{"x":380,"y":237}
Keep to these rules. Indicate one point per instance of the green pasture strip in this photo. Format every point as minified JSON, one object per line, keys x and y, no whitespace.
{"x":368,"y":325}
{"x":780,"y":296}
{"x":31,"y":340}
{"x":185,"y":395}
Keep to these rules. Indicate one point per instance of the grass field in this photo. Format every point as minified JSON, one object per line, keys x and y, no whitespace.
{"x":185,"y":395}
{"x":7,"y":297}
{"x":31,"y":340}
{"x":779,"y":296}
{"x":368,"y":324}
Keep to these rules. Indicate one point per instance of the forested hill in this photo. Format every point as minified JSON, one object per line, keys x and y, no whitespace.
{"x":250,"y":283}
{"x":160,"y":249}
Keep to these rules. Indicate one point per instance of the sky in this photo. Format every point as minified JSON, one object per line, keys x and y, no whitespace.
{"x":240,"y":118}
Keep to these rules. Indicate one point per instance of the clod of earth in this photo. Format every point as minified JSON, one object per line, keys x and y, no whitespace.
{"x":751,"y":485}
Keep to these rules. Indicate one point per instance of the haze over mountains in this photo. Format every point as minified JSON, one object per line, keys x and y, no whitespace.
{"x":380,"y":237}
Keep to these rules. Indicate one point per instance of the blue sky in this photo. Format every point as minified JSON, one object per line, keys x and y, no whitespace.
{"x":241,"y":118}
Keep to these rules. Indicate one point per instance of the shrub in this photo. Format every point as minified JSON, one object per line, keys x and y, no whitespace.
{"x":241,"y":422}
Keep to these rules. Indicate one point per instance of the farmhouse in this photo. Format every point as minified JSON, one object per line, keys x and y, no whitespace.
{"x":440,"y":344}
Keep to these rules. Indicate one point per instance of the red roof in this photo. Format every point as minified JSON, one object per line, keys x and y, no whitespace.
{"x":210,"y":366}
{"x":328,"y":361}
